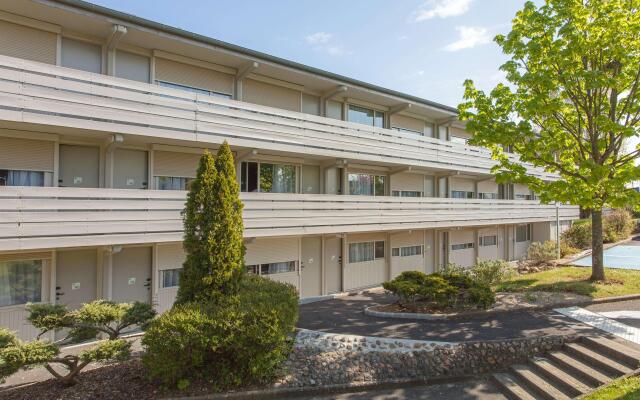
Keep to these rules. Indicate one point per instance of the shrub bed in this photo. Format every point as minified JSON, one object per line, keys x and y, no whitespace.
{"x":616,"y":225}
{"x":230,"y":342}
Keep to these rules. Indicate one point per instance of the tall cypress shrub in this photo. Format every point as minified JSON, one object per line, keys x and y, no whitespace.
{"x":212,"y":232}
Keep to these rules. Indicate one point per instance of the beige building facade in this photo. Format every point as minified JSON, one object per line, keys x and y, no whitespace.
{"x":103,"y":118}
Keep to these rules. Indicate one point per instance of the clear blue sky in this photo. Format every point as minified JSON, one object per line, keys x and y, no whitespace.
{"x":422,"y":47}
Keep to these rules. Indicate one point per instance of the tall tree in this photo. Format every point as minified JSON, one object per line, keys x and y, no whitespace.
{"x":571,"y":106}
{"x":212,"y":231}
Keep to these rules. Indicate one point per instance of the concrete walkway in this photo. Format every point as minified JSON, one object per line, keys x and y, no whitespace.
{"x":345,"y":315}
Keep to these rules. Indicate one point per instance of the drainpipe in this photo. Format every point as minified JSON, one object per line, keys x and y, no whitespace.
{"x":115,"y":140}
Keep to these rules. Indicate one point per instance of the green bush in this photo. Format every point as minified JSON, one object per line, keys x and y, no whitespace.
{"x":231,"y":341}
{"x":616,"y":226}
{"x":578,"y":236}
{"x":566,"y":250}
{"x":542,"y":252}
{"x":453,"y":289}
{"x":491,"y":272}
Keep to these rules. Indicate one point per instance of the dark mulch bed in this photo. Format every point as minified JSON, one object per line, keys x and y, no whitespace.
{"x":127,"y":380}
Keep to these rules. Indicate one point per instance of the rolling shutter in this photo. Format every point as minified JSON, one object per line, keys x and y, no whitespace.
{"x":169,"y":163}
{"x":189,"y":75}
{"x":28,"y":43}
{"x":270,"y":95}
{"x":271,"y":250}
{"x":26,"y":154}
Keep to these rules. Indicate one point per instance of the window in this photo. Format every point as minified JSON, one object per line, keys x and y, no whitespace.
{"x":487,"y":195}
{"x":366,"y":251}
{"x":267,"y":178}
{"x":523,"y":233}
{"x":462,"y":246}
{"x":193,"y":89}
{"x":459,"y":140}
{"x":406,"y":193}
{"x":519,"y":196}
{"x":365,"y":116}
{"x":406,"y":251}
{"x":366,"y":185}
{"x":172,"y":183}
{"x":460,"y":194}
{"x":81,"y":55}
{"x":170,"y":277}
{"x":488,"y":240}
{"x":405,"y":130}
{"x":428,"y":129}
{"x":20,"y":282}
{"x":272,"y":268}
{"x":10,"y":177}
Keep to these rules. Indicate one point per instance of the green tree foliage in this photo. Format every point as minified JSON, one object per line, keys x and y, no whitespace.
{"x":213,"y":231}
{"x":99,"y":317}
{"x":571,"y":105}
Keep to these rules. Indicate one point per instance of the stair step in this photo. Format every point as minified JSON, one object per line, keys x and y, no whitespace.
{"x":597,"y":359}
{"x":511,"y":388}
{"x":579,"y":368}
{"x":529,"y":376}
{"x":616,"y":350}
{"x":561,"y":378}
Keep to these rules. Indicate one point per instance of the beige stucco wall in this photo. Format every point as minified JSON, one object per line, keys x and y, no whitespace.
{"x":466,"y":257}
{"x":369,"y":273}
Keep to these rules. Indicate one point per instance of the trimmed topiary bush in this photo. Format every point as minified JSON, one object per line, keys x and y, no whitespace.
{"x":229,"y":342}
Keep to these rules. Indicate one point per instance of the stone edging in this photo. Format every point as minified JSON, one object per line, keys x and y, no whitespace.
{"x":341,"y":342}
{"x":370,"y":311}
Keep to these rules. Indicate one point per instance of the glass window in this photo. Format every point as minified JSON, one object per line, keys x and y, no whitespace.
{"x":409,"y":251}
{"x":395,"y":252}
{"x":361,"y":252}
{"x":10,"y":177}
{"x":428,"y":129}
{"x":523,"y":233}
{"x":193,"y":89}
{"x":487,"y":195}
{"x":172,"y":183}
{"x":20,"y":282}
{"x":366,"y":185}
{"x":488,"y":240}
{"x":272,"y":268}
{"x":274,"y":178}
{"x":365,"y":116}
{"x":170,"y":277}
{"x":406,"y":193}
{"x":379,"y":249}
{"x":459,"y":194}
{"x":462,"y":246}
{"x":518,"y":196}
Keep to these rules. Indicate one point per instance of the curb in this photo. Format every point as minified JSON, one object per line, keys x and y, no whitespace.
{"x":479,"y":313}
{"x":289,"y":392}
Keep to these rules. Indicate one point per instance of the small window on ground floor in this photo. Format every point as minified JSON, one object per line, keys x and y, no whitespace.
{"x":9,"y":177}
{"x":462,"y":246}
{"x":490,"y":240}
{"x":366,"y":251}
{"x":20,"y":282}
{"x":170,"y":277}
{"x":406,"y":251}
{"x":272,"y":268}
{"x":172,"y":183}
{"x":460,"y":194}
{"x":406,"y":193}
{"x":523,"y":233}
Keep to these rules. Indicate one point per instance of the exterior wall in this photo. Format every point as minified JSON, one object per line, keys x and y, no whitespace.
{"x":488,"y":186}
{"x":172,"y":163}
{"x":29,"y":43}
{"x":462,"y":184}
{"x":489,"y":252}
{"x":457,"y":132}
{"x":466,"y":257}
{"x":190,"y":75}
{"x":364,"y":274}
{"x":521,"y":189}
{"x":408,"y":181}
{"x":167,"y":256}
{"x":400,"y":264}
{"x":406,"y":122}
{"x":271,"y":95}
{"x":274,"y":250}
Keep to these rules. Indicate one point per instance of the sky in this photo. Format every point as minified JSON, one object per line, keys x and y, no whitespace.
{"x":425,"y":48}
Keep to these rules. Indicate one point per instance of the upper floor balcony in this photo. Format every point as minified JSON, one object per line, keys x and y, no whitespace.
{"x":52,"y":99}
{"x":41,"y":218}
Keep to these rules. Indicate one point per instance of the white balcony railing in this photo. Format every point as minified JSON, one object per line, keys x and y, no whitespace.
{"x":33,"y":218}
{"x":37,"y":93}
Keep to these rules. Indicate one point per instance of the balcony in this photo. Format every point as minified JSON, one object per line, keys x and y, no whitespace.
{"x":40,"y":218}
{"x":46,"y":95}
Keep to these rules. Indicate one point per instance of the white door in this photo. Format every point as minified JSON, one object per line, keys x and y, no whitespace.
{"x":131,"y":275}
{"x":311,"y":264}
{"x":79,"y":166}
{"x":333,"y":264}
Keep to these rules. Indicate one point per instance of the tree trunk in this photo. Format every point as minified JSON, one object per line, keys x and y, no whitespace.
{"x":597,"y":269}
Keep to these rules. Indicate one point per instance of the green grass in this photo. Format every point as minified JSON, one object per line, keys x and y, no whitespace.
{"x":621,"y":389}
{"x":576,"y":280}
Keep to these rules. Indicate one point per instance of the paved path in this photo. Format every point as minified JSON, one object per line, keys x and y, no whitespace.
{"x":465,"y":390}
{"x":345,"y":315}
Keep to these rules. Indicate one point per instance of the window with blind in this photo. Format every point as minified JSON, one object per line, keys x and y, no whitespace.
{"x":20,"y":282}
{"x":366,"y":251}
{"x":366,"y":184}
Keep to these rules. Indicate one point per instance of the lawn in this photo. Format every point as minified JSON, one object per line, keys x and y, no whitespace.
{"x":576,"y":280}
{"x":621,"y":389}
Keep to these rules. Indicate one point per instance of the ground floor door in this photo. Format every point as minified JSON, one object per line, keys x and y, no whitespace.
{"x":333,"y":264}
{"x":76,"y":279}
{"x":130,"y":169}
{"x":311,"y":264}
{"x":79,"y":166}
{"x":131,"y":275}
